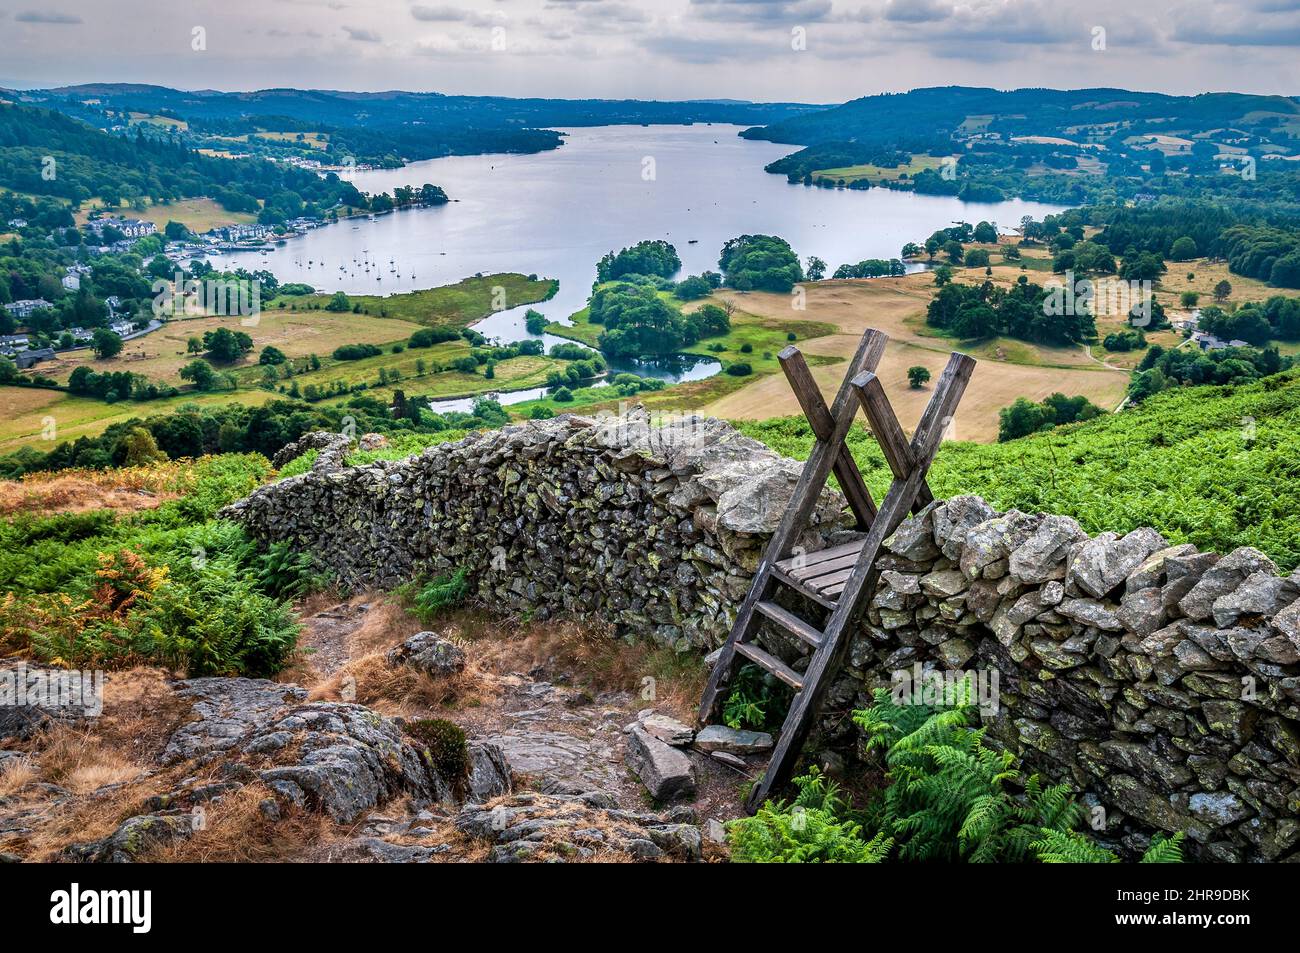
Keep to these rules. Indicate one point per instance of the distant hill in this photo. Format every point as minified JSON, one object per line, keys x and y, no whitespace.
{"x":935,"y":115}
{"x":90,"y":163}
{"x":389,"y":126}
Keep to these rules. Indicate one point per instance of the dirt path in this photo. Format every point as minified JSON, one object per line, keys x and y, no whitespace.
{"x":559,"y":734}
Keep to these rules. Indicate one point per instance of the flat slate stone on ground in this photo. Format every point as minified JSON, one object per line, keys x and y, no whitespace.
{"x":733,"y":740}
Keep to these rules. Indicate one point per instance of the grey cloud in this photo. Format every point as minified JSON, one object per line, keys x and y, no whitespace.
{"x":438,"y":14}
{"x":689,"y":48}
{"x":600,"y":10}
{"x":41,"y":16}
{"x":362,"y":36}
{"x":748,"y":11}
{"x":917,"y":11}
{"x":1275,"y":23}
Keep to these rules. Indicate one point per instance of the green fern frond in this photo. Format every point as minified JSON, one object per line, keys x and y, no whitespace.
{"x":1165,"y":850}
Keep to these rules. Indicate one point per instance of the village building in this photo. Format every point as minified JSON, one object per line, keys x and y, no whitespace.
{"x":26,"y":307}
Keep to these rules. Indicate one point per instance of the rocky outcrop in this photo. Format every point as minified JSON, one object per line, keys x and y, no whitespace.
{"x":655,"y":528}
{"x":133,"y":837}
{"x":226,"y":710}
{"x":343,"y":759}
{"x":557,"y":827}
{"x":339,"y":759}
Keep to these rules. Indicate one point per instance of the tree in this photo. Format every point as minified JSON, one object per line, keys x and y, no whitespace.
{"x":657,"y":258}
{"x":917,"y":376}
{"x":816,"y":270}
{"x":1023,"y":418}
{"x":200,"y":373}
{"x":226,"y":346}
{"x":339,"y":302}
{"x":977,"y":258}
{"x":692,"y":288}
{"x":194,"y":345}
{"x":1285,"y":272}
{"x":986,"y":233}
{"x":1144,"y":266}
{"x":760,"y":263}
{"x":140,"y":449}
{"x":271,"y":355}
{"x":105,"y":343}
{"x":1184,"y":249}
{"x":160,"y":267}
{"x":1188,"y":299}
{"x":1223,"y":290}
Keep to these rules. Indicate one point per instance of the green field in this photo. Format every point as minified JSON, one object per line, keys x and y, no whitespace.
{"x":27,"y":412}
{"x":297,"y":329}
{"x":457,"y":305}
{"x":876,"y":173}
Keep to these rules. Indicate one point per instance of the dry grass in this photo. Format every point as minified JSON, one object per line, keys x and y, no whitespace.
{"x":597,"y":660}
{"x":141,"y":712}
{"x":496,"y":648}
{"x":1206,"y":274}
{"x":235,"y":830}
{"x":396,"y":690}
{"x":76,"y":491}
{"x":1007,"y":369}
{"x":101,"y":761}
{"x":16,"y":775}
{"x":80,"y":761}
{"x":161,"y":354}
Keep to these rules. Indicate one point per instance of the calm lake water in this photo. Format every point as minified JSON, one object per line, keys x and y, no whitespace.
{"x":556,"y":213}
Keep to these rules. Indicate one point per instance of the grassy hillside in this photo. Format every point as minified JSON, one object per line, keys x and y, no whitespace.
{"x":1214,"y":466}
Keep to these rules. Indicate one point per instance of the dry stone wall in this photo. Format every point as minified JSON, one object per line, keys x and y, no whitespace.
{"x":1163,"y":683}
{"x":656,"y":529}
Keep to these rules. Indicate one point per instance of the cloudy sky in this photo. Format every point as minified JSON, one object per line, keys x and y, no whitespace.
{"x":806,"y":50}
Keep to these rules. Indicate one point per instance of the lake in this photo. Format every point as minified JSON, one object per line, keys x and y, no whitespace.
{"x":556,"y":213}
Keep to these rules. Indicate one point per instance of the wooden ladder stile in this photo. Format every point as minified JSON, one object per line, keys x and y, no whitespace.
{"x":841,"y":579}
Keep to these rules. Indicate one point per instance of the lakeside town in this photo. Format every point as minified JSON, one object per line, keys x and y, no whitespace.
{"x":116,"y":235}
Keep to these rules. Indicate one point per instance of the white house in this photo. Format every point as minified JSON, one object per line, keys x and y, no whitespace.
{"x":130,"y":227}
{"x":27,"y":307}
